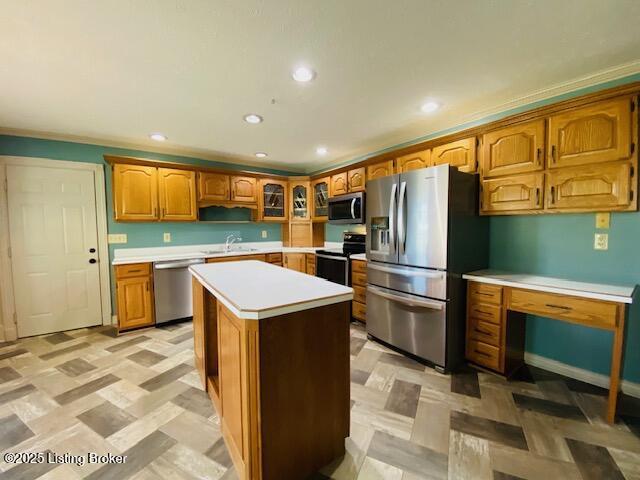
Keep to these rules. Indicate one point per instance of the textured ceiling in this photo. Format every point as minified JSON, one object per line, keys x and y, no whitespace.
{"x":117,"y":70}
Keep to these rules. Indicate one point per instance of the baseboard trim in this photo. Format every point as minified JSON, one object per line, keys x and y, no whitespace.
{"x":630,"y":388}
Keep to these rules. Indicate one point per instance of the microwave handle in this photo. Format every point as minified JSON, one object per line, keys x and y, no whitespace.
{"x":353,"y":208}
{"x":392,"y":218}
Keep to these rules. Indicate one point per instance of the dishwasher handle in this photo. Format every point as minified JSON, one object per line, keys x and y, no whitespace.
{"x":177,"y":264}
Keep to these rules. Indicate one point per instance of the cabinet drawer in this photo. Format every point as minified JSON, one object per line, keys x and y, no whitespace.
{"x":274,"y":257}
{"x":358,"y":278}
{"x":484,"y":331}
{"x":359,"y":311}
{"x":359,"y":294}
{"x":483,"y":354}
{"x":488,"y":313}
{"x":359,"y":266}
{"x":485,"y":293}
{"x":133,"y":270}
{"x":596,"y":313}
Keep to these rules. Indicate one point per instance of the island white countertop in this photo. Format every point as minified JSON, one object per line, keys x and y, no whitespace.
{"x":611,"y":293}
{"x":256,"y":290}
{"x":124,"y":256}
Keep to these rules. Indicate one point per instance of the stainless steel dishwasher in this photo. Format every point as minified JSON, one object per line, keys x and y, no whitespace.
{"x":172,"y":289}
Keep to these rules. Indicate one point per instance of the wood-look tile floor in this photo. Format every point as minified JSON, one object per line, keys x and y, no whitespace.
{"x":138,"y":394}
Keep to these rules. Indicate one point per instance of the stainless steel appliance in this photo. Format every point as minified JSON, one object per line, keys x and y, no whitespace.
{"x":423,"y":232}
{"x":172,"y":289}
{"x":347,"y":208}
{"x":334,"y":265}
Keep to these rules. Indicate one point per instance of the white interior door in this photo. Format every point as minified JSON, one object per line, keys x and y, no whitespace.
{"x":52,"y":230}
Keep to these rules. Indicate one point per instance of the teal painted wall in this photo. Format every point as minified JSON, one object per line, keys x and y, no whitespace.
{"x":562,"y":246}
{"x":148,"y":234}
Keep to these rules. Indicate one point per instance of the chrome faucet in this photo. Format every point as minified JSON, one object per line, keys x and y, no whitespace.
{"x":229,"y":241}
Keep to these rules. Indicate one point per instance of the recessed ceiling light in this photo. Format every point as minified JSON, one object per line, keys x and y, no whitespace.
{"x":303,"y":74}
{"x":322,"y":150}
{"x":430,"y":107}
{"x":252,"y":118}
{"x":261,"y":154}
{"x":158,"y":137}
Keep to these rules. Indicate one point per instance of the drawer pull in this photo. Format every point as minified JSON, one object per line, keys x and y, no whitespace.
{"x":486,"y":332}
{"x":561,"y":307}
{"x":134,"y":271}
{"x":482,"y":353}
{"x":485,"y":294}
{"x":483,"y":312}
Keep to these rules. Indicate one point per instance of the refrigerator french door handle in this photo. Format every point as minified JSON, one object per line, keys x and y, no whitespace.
{"x":392,"y":218}
{"x":402,"y":221}
{"x":353,"y":208}
{"x":404,"y":300}
{"x":410,"y":273}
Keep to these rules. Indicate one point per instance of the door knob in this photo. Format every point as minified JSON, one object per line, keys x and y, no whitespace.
{"x":92,"y":260}
{"x":92,"y":250}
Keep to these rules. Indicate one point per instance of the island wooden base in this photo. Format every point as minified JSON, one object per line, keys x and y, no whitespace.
{"x":280,"y":385}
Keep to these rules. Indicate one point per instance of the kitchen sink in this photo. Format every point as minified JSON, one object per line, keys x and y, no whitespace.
{"x":233,"y":249}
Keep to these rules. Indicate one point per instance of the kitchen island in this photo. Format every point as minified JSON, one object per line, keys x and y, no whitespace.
{"x":272,"y":349}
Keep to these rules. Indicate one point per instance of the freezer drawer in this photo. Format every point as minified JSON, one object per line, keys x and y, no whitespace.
{"x":411,"y":323}
{"x":419,"y":281}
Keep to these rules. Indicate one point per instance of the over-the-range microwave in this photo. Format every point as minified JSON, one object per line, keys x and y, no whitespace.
{"x":347,"y":208}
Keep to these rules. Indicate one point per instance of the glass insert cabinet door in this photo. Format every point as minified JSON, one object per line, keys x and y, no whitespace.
{"x":321,"y":199}
{"x":300,"y":207}
{"x":273,"y":201}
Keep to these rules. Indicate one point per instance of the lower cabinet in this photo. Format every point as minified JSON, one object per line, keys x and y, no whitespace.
{"x":311,"y":264}
{"x":484,"y":344}
{"x":359,"y":284}
{"x":296,"y":261}
{"x":513,"y":194}
{"x":260,"y":257}
{"x":274,"y":259}
{"x":134,"y":287}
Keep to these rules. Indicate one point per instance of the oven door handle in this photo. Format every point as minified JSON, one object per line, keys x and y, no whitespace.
{"x":330,"y":257}
{"x":411,"y":273}
{"x":412,"y":302}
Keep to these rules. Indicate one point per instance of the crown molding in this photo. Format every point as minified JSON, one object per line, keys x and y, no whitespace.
{"x":210,"y":156}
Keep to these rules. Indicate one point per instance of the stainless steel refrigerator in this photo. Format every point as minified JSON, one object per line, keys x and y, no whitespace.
{"x":423,"y":233}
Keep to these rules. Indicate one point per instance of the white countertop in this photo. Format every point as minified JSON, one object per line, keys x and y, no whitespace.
{"x":123,"y":256}
{"x":359,"y":256}
{"x":612,"y":293}
{"x":257,"y":290}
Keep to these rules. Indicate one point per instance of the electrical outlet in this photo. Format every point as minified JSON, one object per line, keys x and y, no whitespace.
{"x":117,"y":238}
{"x":167,"y":237}
{"x":603,"y":220}
{"x":264,"y":234}
{"x":601,"y":241}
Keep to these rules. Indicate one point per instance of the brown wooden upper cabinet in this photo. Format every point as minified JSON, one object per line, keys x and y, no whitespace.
{"x":213,"y":187}
{"x":413,"y":161}
{"x":244,"y":189}
{"x":460,"y":154}
{"x":299,"y":200}
{"x":381,"y":169}
{"x":513,"y":194}
{"x":356,"y":179}
{"x":135,"y":193}
{"x":339,"y":184}
{"x":272,"y":201}
{"x":515,"y":149}
{"x":177,"y":194}
{"x":320,"y":192}
{"x":595,"y":187}
{"x":600,"y":132}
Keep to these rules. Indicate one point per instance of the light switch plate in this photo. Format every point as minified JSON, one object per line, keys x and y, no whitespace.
{"x":601,"y":241}
{"x":264,"y":234}
{"x":166,"y":237}
{"x":117,"y":238}
{"x":603,"y":220}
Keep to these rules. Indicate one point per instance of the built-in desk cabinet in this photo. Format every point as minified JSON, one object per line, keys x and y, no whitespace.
{"x":134,"y":294}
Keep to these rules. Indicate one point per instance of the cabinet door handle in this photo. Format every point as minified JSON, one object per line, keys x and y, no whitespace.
{"x":537,"y":196}
{"x":539,"y":155}
{"x":553,"y":153}
{"x":553,"y":195}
